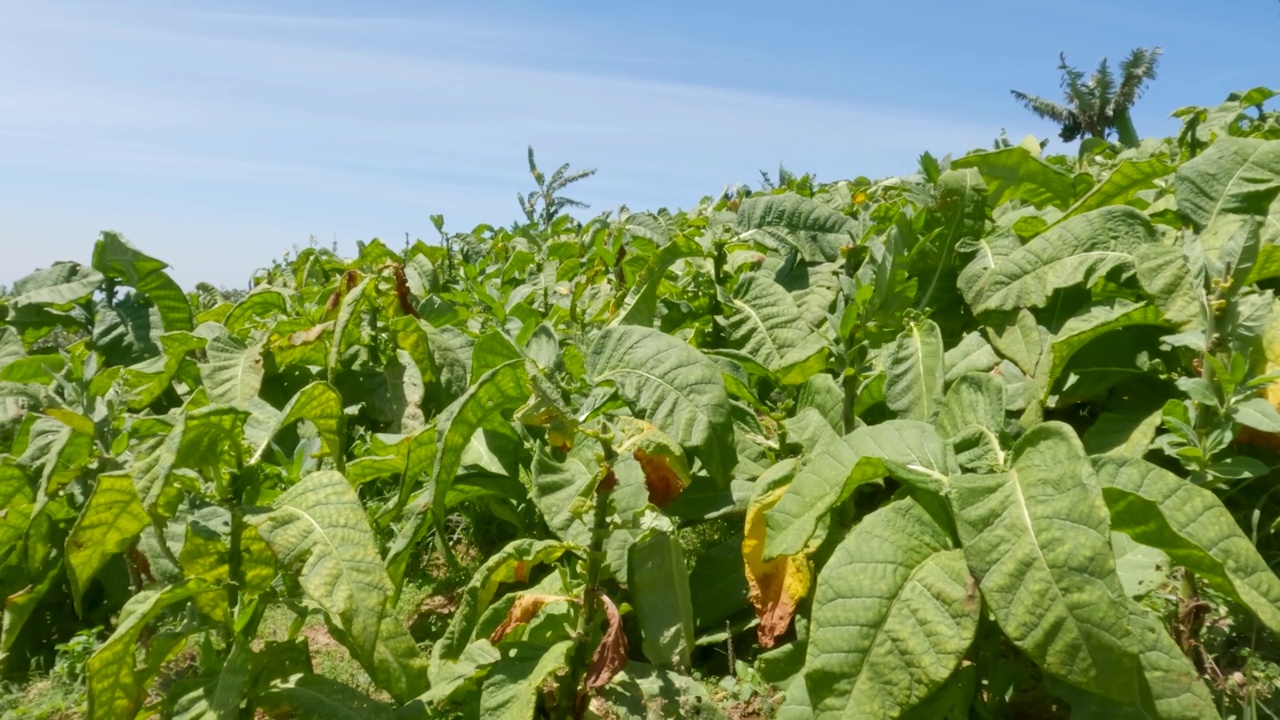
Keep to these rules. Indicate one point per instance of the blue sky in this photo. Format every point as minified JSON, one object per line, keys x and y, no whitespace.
{"x":215,"y":135}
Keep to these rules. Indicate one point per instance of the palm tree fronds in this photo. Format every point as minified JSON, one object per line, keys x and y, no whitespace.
{"x":1044,"y":109}
{"x":1136,"y":71}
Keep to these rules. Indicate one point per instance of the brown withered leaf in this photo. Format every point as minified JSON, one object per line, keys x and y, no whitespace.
{"x":607,"y":483}
{"x":664,"y":484}
{"x":402,"y":290}
{"x":666,"y":472}
{"x":310,"y":335}
{"x":1271,"y":393}
{"x":545,"y":409}
{"x":349,"y":279}
{"x":776,"y":586}
{"x":610,"y":656}
{"x":524,"y":610}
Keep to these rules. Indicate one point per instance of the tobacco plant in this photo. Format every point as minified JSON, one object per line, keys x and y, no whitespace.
{"x":971,"y":442}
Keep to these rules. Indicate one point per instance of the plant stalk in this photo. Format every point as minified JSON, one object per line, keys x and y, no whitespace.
{"x":571,"y":693}
{"x":1125,"y":131}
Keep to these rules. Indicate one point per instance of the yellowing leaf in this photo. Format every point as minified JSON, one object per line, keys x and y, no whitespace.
{"x":310,"y":335}
{"x":545,"y":409}
{"x":666,"y":472}
{"x":776,"y":586}
{"x":1271,"y":349}
{"x":522,"y":611}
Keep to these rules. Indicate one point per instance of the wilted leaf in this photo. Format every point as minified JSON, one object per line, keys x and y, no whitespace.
{"x":610,"y":656}
{"x":526,"y":606}
{"x":778,"y":585}
{"x":893,"y":614}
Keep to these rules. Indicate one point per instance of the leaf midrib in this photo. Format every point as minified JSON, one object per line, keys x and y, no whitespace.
{"x":696,"y":408}
{"x":1021,"y":501}
{"x":897,"y":597}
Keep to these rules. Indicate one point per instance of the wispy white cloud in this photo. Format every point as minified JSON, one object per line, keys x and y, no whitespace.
{"x":161,"y":123}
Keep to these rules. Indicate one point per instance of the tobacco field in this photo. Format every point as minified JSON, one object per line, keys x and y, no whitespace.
{"x":993,"y":439}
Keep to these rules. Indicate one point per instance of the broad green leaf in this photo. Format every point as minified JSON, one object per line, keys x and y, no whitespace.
{"x":971,"y":354}
{"x":512,"y":688}
{"x":1166,"y":276}
{"x":972,"y":421}
{"x":811,"y":228}
{"x":318,"y":528}
{"x":1037,"y":537}
{"x":1079,"y":251}
{"x":1094,"y":322}
{"x":342,"y":326}
{"x":1126,"y":433}
{"x":1171,"y":686}
{"x":491,"y":350}
{"x":644,"y":691}
{"x":56,"y":452}
{"x":906,"y":449}
{"x":641,"y":304}
{"x":915,"y":372}
{"x":318,"y":403}
{"x":720,"y":590}
{"x":397,"y":401}
{"x":21,"y":605}
{"x":116,"y":257}
{"x":39,"y":369}
{"x":823,"y":394}
{"x":59,"y":284}
{"x":1157,"y":508}
{"x":1238,"y":176}
{"x":198,"y":439}
{"x":412,"y":338}
{"x":1141,"y":568}
{"x":222,"y":696}
{"x":147,"y":381}
{"x":1257,"y":414}
{"x":814,"y":288}
{"x":16,"y":501}
{"x":169,"y":300}
{"x":233,"y":373}
{"x":11,"y":345}
{"x":659,"y":582}
{"x":962,"y":208}
{"x":451,"y":678}
{"x":115,"y":684}
{"x":807,"y":429}
{"x":678,"y":389}
{"x":556,"y":488}
{"x":768,"y":326}
{"x":261,"y":304}
{"x":1023,"y":342}
{"x":316,"y":696}
{"x":126,"y":331}
{"x":510,"y":565}
{"x":1267,"y":265}
{"x":108,"y":524}
{"x":1120,"y":186}
{"x":1015,"y":174}
{"x":893,"y":614}
{"x":500,"y":390}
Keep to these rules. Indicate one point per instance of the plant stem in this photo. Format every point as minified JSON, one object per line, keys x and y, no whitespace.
{"x":849,"y":378}
{"x":571,"y":692}
{"x":717,"y":310}
{"x":1125,"y":132}
{"x":165,"y":550}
